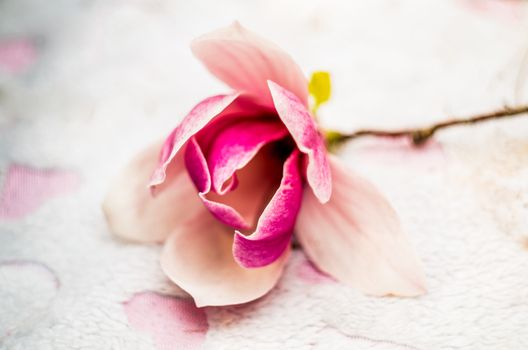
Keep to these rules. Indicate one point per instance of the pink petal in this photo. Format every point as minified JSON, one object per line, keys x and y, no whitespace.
{"x":197,"y":166}
{"x":197,"y":257}
{"x":133,"y":213}
{"x":233,"y":148}
{"x":197,"y":118}
{"x":245,"y":61}
{"x":225,"y":213}
{"x":257,"y":182}
{"x":199,"y":172}
{"x":356,"y":237}
{"x":276,"y":223}
{"x":237,"y":144}
{"x":243,"y":107}
{"x":303,"y":129}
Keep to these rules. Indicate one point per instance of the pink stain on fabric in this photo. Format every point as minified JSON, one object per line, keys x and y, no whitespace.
{"x":17,"y":55}
{"x":308,"y":273}
{"x":25,"y":189}
{"x":173,"y":323}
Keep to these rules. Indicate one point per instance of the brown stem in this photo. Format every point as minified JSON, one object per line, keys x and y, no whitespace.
{"x":420,"y":135}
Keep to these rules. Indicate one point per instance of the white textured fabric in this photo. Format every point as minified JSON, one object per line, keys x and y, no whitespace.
{"x":112,"y":76}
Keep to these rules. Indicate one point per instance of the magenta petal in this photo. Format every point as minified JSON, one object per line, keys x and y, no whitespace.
{"x":197,"y":166}
{"x":197,"y":118}
{"x":245,"y":61}
{"x":257,"y":182}
{"x":276,"y":223}
{"x":357,"y":238}
{"x":199,"y":173}
{"x":225,"y":214}
{"x":237,"y":144}
{"x":231,"y":185}
{"x":303,"y":129}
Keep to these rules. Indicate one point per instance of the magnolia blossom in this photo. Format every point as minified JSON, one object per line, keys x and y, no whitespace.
{"x":241,"y":173}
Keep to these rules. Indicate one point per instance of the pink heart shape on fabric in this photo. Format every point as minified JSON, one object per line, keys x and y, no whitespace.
{"x":16,"y":55}
{"x":25,"y":189}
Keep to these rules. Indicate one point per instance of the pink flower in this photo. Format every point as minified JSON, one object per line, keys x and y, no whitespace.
{"x":261,"y":170}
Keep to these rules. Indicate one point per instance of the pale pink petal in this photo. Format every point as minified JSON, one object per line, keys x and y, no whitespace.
{"x":198,"y":258}
{"x":133,"y":213}
{"x":245,"y":61}
{"x":356,"y":237}
{"x":275,"y":226}
{"x":303,"y":129}
{"x":197,"y":118}
{"x":237,"y":144}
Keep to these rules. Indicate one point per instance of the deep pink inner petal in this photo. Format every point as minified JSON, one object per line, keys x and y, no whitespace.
{"x":257,"y":182}
{"x":276,"y":223}
{"x":204,"y":122}
{"x":225,"y":213}
{"x":237,"y":144}
{"x":193,"y":122}
{"x":197,"y":166}
{"x":238,"y":169}
{"x":199,"y":173}
{"x":243,"y":107}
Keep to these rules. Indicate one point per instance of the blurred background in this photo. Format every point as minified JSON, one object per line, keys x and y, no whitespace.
{"x":85,"y":84}
{"x":424,"y":59}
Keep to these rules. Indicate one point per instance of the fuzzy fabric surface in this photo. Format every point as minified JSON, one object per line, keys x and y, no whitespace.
{"x":84,"y":85}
